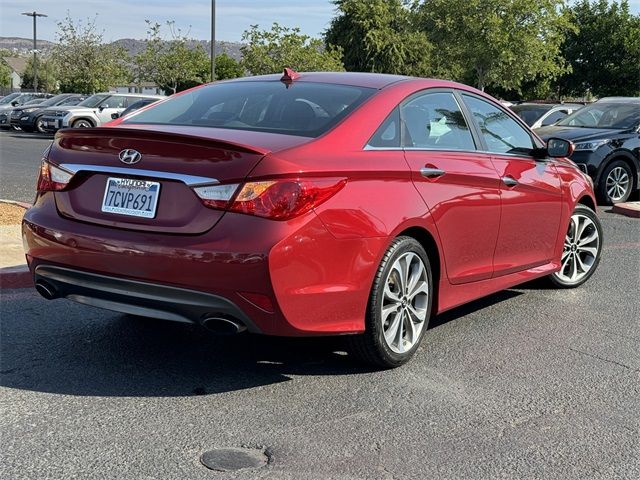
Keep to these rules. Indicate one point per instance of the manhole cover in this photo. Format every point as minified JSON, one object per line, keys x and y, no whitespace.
{"x":227,"y":459}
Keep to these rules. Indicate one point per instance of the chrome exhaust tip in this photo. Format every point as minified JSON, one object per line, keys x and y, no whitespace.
{"x":223,"y":325}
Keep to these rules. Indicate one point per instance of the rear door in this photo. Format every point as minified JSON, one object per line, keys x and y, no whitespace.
{"x":530,"y":189}
{"x":458,"y":183}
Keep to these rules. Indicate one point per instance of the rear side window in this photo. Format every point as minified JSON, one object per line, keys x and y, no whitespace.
{"x":388,"y":134}
{"x":501,"y":133}
{"x":435,"y":121}
{"x":304,"y":108}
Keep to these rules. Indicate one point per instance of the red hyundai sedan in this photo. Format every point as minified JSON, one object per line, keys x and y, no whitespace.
{"x":310,"y":204}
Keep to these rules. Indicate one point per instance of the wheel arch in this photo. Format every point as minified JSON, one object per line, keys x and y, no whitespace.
{"x":428,"y":242}
{"x":587,"y":201}
{"x":88,"y":119}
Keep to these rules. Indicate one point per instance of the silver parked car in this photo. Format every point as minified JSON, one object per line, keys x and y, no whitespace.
{"x":538,"y":115}
{"x":92,"y":112}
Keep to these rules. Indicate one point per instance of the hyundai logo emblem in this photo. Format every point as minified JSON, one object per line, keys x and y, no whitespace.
{"x":130,"y":156}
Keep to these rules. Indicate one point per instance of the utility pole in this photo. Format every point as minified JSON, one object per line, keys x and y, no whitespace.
{"x":213,"y":40}
{"x":35,"y":47}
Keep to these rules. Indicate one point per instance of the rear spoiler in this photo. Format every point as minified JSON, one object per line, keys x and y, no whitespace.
{"x":159,"y":133}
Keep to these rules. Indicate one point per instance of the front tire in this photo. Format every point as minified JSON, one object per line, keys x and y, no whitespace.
{"x":616,"y":183}
{"x":82,"y":123}
{"x":399,"y":306}
{"x":582,"y":249}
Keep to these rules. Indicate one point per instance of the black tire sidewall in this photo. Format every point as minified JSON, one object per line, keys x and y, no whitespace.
{"x":374,"y":322}
{"x":596,"y":221}
{"x":602,"y":186}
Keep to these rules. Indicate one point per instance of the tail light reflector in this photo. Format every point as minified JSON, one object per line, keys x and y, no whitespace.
{"x":280,"y":199}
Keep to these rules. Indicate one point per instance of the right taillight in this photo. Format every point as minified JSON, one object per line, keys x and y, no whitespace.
{"x":52,"y":178}
{"x":278,"y":199}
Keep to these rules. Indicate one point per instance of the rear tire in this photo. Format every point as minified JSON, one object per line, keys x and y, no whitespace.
{"x":399,"y":306}
{"x":582,"y":249}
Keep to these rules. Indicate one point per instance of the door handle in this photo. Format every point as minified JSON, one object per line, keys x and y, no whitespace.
{"x":509,"y":181}
{"x":431,"y":172}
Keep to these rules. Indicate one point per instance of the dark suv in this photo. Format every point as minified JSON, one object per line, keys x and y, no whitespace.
{"x":607,"y":139}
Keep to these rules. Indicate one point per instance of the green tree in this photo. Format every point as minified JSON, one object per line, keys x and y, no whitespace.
{"x":270,"y":51}
{"x":47,"y":75}
{"x":605,"y":52}
{"x":5,"y":75}
{"x":227,"y":67}
{"x":84,"y":63}
{"x":379,"y":36}
{"x":497,"y":43}
{"x":175,"y":64}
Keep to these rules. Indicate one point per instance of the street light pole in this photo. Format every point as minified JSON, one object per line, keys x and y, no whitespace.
{"x":35,"y":47}
{"x":213,"y":40}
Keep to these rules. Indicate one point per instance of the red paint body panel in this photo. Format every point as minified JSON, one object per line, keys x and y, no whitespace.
{"x":316,"y":269}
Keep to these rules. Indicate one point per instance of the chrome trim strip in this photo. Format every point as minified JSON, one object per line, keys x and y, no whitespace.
{"x":189,"y":180}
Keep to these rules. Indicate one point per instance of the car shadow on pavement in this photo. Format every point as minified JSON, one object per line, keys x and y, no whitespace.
{"x":92,"y":353}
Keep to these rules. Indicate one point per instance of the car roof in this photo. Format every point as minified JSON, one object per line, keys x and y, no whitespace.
{"x":619,"y":100}
{"x":550,"y":105}
{"x":141,"y":95}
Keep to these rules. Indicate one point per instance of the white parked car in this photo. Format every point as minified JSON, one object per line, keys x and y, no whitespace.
{"x":92,"y":112}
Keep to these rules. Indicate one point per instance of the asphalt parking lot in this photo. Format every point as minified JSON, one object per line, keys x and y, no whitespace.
{"x":528,"y":383}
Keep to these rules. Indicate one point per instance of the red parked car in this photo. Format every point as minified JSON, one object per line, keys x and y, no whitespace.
{"x":310,"y":204}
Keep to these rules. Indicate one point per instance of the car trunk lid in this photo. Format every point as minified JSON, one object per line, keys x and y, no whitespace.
{"x":177,"y":159}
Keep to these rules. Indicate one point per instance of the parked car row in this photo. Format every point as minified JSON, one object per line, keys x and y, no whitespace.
{"x":46,"y":113}
{"x":606,"y":135}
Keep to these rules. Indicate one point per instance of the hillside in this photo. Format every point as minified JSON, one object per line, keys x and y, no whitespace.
{"x":133,"y":46}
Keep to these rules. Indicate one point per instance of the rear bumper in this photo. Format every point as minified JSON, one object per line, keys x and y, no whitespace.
{"x":137,"y":298}
{"x":317,"y":285}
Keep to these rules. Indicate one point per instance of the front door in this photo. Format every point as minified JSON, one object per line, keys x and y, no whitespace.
{"x":530,"y":190}
{"x":458,"y":183}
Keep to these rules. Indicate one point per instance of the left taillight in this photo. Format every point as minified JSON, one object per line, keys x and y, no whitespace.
{"x":52,"y":178}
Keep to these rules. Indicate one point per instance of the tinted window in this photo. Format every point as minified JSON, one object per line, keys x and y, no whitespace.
{"x":605,"y":115}
{"x":8,"y":98}
{"x":435,"y":121}
{"x":554,"y":117}
{"x":93,"y":100}
{"x":388,"y":134}
{"x":303,"y":108}
{"x":501,"y":133}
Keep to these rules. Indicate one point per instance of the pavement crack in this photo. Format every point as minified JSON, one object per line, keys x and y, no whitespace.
{"x":604,"y":359}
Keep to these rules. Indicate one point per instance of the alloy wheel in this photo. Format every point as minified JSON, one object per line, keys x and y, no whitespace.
{"x":404,"y":306}
{"x":617,"y":183}
{"x":581,"y":247}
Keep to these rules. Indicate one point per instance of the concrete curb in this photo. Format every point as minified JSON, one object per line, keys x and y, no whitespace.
{"x":13,"y":202}
{"x":15,"y":277}
{"x":630,"y":209}
{"x":18,"y":276}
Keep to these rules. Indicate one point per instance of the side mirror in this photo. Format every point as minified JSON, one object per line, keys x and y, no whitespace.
{"x":115,"y":115}
{"x":558,"y":147}
{"x":103,"y":106}
{"x":15,"y":103}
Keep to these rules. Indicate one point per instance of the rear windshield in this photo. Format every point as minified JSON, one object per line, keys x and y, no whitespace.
{"x":305,"y":109}
{"x":530,"y":113}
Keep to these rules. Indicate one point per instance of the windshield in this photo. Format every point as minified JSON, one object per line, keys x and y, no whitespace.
{"x":8,"y":98}
{"x":93,"y":100}
{"x":304,"y":109}
{"x":530,"y":113}
{"x":53,"y":100}
{"x":604,"y":115}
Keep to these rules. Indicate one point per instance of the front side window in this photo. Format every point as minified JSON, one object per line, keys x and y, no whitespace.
{"x":554,"y":117}
{"x":435,"y":121}
{"x":501,"y":133}
{"x":305,"y":108}
{"x":115,"y":101}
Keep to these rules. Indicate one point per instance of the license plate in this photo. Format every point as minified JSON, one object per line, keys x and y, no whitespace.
{"x":136,"y":198}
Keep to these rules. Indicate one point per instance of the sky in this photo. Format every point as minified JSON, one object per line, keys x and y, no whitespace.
{"x":125,"y":18}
